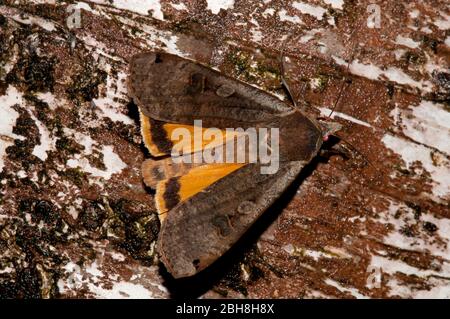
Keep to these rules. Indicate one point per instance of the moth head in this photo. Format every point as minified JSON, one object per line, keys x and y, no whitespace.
{"x":329,"y":128}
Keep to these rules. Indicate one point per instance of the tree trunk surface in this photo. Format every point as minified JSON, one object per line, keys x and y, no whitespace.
{"x":77,"y":221}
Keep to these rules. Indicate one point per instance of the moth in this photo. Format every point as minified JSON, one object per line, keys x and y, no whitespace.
{"x":205,"y":208}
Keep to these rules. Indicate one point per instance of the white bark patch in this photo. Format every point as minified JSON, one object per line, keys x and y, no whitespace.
{"x":8,"y":118}
{"x":122,"y":290}
{"x":257,"y":35}
{"x":105,"y":283}
{"x":141,"y":6}
{"x":109,"y":106}
{"x":112,"y":161}
{"x":179,"y":6}
{"x":51,"y":100}
{"x":414,"y":14}
{"x":408,"y":42}
{"x":285,"y":17}
{"x":353,"y":291}
{"x":411,"y":153}
{"x":268,"y":12}
{"x":427,"y":123}
{"x":31,"y":20}
{"x":393,"y":74}
{"x":154,"y":36}
{"x":216,"y":5}
{"x":336,"y":4}
{"x":398,"y":216}
{"x":305,"y":8}
{"x":328,"y":252}
{"x":444,"y":22}
{"x":46,"y":143}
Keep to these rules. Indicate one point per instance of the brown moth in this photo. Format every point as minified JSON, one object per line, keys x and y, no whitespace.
{"x":208,"y":208}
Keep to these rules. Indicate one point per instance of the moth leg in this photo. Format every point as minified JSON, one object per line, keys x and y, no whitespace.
{"x":337,"y":149}
{"x":346,"y":152}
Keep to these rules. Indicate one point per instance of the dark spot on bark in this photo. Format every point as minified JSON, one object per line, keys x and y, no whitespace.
{"x":93,"y":215}
{"x":35,"y":71}
{"x":251,"y":261}
{"x":28,"y":283}
{"x":442,"y":79}
{"x":408,"y":231}
{"x":141,"y":228}
{"x":3,"y":85}
{"x":430,"y":227}
{"x":75,"y":175}
{"x":430,"y":43}
{"x":411,"y":57}
{"x":39,"y":74}
{"x":96,"y":159}
{"x":390,"y":90}
{"x":43,"y":113}
{"x":22,"y":149}
{"x":45,"y":211}
{"x":85,"y":83}
{"x":130,"y":133}
{"x":26,"y":127}
{"x":416,"y":209}
{"x":8,"y":289}
{"x":26,"y":205}
{"x":256,"y":273}
{"x":140,"y":235}
{"x":48,"y":11}
{"x":65,"y":144}
{"x":3,"y":21}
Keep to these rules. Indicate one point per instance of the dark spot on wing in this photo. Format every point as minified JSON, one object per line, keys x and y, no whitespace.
{"x":171,"y":195}
{"x":159,"y":136}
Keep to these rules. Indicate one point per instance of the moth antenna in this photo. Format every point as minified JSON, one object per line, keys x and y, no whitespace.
{"x":282,"y":68}
{"x":338,"y":98}
{"x":283,"y":80}
{"x":347,"y":70}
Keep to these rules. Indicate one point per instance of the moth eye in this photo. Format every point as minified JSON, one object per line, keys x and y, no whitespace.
{"x":225,"y":91}
{"x":246,"y":207}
